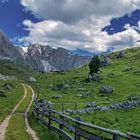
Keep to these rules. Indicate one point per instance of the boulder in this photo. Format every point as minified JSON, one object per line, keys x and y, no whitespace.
{"x":7,"y":86}
{"x":105,"y":61}
{"x":60,"y":87}
{"x":121,"y":55}
{"x":2,"y":94}
{"x":56,"y":96}
{"x":94,"y":77}
{"x":5,"y":77}
{"x":32,"y":79}
{"x":107,"y":90}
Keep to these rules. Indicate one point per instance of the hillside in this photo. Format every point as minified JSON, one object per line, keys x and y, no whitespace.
{"x":123,"y":75}
{"x":18,"y":70}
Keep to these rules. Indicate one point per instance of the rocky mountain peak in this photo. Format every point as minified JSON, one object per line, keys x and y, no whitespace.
{"x":41,"y":57}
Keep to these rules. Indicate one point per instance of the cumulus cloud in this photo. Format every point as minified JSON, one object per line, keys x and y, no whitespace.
{"x":77,"y":24}
{"x":71,"y":11}
{"x":81,"y":35}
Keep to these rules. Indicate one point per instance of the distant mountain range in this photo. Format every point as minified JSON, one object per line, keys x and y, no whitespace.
{"x":41,"y":58}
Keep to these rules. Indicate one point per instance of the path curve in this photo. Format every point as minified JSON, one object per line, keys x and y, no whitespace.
{"x":29,"y":130}
{"x":4,"y":124}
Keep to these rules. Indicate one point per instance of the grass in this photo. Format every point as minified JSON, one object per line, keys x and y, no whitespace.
{"x":125,"y":84}
{"x":42,"y":131}
{"x":21,"y":71}
{"x":13,"y":96}
{"x":23,"y":106}
{"x":16,"y":129}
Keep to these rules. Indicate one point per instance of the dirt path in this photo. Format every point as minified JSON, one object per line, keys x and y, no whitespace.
{"x":29,"y":129}
{"x":4,"y":124}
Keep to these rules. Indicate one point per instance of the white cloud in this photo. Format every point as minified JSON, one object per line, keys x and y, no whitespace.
{"x":71,"y":11}
{"x":77,"y":23}
{"x":82,"y":35}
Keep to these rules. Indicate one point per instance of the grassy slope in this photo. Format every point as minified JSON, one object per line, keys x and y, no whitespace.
{"x":123,"y":82}
{"x":22,"y":72}
{"x":13,"y":96}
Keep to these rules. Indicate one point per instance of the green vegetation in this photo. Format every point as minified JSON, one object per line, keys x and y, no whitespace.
{"x":123,"y":74}
{"x":12,"y":97}
{"x":22,"y":72}
{"x":94,"y":64}
{"x":24,"y":105}
{"x":43,"y":132}
{"x":17,"y":129}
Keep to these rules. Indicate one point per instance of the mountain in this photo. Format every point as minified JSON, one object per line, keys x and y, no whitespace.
{"x":8,"y":50}
{"x":40,"y":58}
{"x":45,"y":58}
{"x":82,"y":52}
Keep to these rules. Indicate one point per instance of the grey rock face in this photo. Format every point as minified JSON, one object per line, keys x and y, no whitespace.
{"x":105,"y":61}
{"x":8,"y":50}
{"x":107,"y":90}
{"x":45,"y":58}
{"x":41,"y":58}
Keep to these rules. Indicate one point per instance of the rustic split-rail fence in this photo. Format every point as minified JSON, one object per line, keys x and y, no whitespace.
{"x":75,"y":129}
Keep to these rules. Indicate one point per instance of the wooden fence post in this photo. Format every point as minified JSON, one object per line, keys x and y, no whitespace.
{"x":62,"y":107}
{"x":116,"y":137}
{"x":77,"y":137}
{"x":61,"y":126}
{"x":49,"y":123}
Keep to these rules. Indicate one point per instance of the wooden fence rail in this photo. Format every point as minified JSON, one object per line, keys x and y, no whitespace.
{"x":73,"y":129}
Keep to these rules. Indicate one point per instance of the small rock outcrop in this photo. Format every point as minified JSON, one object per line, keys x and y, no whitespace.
{"x":2,"y":93}
{"x":5,"y":77}
{"x":121,"y":55}
{"x":60,"y":87}
{"x":107,"y":89}
{"x":32,"y":79}
{"x":105,"y":61}
{"x":56,"y":96}
{"x":94,"y":77}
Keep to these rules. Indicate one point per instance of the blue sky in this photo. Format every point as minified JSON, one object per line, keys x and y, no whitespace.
{"x":65,"y":24}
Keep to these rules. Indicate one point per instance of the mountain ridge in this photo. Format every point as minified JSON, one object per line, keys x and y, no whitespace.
{"x":39,"y":57}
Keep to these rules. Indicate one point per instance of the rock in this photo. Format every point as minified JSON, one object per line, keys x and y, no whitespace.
{"x":2,"y":93}
{"x":56,"y":96}
{"x":121,"y":55}
{"x":7,"y":86}
{"x":91,"y":104}
{"x":107,"y":89}
{"x":47,"y":59}
{"x":32,"y":79}
{"x":105,"y":61}
{"x":5,"y":77}
{"x":60,"y":87}
{"x":94,"y":77}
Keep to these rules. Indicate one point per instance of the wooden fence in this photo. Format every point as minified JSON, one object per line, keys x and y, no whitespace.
{"x":73,"y":129}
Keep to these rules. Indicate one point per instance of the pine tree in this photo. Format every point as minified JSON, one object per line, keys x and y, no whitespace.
{"x":94,"y":65}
